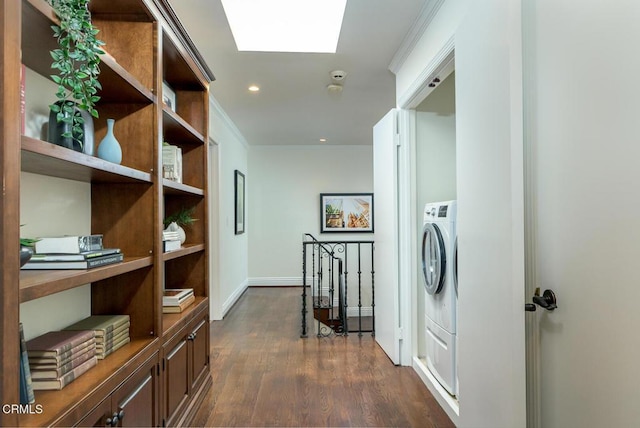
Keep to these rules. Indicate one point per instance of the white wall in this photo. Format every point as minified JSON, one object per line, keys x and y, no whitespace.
{"x":233,"y":249}
{"x":284,"y":186}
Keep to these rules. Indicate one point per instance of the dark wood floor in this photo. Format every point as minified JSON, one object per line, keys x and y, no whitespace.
{"x":265,"y":375}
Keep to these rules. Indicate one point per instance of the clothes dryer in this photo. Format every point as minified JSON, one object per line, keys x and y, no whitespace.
{"x":438,"y":243}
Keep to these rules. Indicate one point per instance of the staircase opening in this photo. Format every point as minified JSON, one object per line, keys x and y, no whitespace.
{"x":338,"y":284}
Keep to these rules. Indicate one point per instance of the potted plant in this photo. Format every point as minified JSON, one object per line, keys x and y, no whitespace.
{"x":26,"y":249}
{"x":77,"y":61}
{"x":179,"y":219}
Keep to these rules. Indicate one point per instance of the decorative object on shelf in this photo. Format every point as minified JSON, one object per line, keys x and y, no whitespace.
{"x":173,"y":231}
{"x":239,"y":202}
{"x":77,"y":61}
{"x":172,"y":162}
{"x":109,"y":148}
{"x":26,"y":249}
{"x":181,"y":218}
{"x":63,"y":134}
{"x":168,"y":96}
{"x":346,"y":212}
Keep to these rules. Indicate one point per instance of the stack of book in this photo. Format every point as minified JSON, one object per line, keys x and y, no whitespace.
{"x":111,"y":332}
{"x":170,"y":240}
{"x":175,"y":300}
{"x":57,"y":358}
{"x":72,"y":252}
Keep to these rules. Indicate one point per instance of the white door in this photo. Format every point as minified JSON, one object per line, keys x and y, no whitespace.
{"x":385,"y":211}
{"x":582,"y":99}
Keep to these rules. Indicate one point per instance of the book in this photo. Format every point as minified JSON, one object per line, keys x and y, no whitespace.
{"x":67,"y":378}
{"x":110,"y":336}
{"x":85,"y":255}
{"x":179,"y":308}
{"x":171,"y":245}
{"x":24,"y":396}
{"x":84,"y":264}
{"x":47,"y":372}
{"x":111,"y":342}
{"x":113,"y":349}
{"x":174,"y":296}
{"x":102,"y":325}
{"x":48,"y":363}
{"x":57,"y":343}
{"x":71,"y":244}
{"x":26,"y":384}
{"x":63,"y":358}
{"x":172,"y":162}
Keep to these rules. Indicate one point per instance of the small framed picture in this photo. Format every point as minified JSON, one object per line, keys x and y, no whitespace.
{"x":168,"y":96}
{"x":346,"y":212}
{"x":239,"y":200}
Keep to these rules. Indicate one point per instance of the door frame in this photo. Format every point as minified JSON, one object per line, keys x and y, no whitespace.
{"x":441,"y":66}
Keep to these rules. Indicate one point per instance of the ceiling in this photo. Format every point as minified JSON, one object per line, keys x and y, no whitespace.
{"x":294,"y":106}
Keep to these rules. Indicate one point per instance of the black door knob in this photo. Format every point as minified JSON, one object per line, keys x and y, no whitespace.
{"x":546,"y":301}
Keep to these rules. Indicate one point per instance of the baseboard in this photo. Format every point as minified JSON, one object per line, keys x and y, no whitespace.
{"x":228,"y":304}
{"x":277,"y":281}
{"x":448,"y":403}
{"x":352,"y":311}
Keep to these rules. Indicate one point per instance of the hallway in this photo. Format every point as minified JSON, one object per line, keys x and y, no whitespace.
{"x":265,"y":375}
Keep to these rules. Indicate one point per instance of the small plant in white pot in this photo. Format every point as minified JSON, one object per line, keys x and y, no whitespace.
{"x":178,"y":220}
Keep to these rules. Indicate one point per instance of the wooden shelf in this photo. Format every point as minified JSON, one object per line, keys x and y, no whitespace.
{"x":35,"y":284}
{"x":184,"y":251}
{"x":44,"y":158}
{"x":172,"y":322}
{"x":118,"y":85}
{"x":144,"y":46}
{"x":172,"y":188}
{"x":177,"y":130}
{"x":112,"y":370}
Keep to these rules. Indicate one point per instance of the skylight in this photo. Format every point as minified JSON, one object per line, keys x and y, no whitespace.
{"x":285,"y":25}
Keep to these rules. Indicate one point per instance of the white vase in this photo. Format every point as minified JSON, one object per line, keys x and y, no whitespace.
{"x":173,"y":227}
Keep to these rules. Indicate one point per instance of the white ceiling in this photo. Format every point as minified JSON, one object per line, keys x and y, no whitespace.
{"x":294,"y":106}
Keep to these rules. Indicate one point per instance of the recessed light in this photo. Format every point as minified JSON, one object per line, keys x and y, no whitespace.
{"x":323,"y":140}
{"x":285,"y":25}
{"x":254,"y":88}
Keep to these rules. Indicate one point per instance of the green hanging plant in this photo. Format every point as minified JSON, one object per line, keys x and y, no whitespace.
{"x":77,"y":61}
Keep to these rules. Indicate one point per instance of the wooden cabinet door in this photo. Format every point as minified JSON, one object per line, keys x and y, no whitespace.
{"x":136,"y":402}
{"x":176,"y":379}
{"x":199,"y":343}
{"x":98,"y":416}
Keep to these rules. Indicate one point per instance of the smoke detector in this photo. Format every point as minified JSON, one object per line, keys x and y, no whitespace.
{"x":338,"y":75}
{"x":334,"y":88}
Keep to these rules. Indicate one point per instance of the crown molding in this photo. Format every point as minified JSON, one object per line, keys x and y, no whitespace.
{"x":217,"y":110}
{"x":429,"y":11}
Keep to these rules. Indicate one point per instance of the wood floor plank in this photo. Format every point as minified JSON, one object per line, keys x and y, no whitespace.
{"x":265,"y":375}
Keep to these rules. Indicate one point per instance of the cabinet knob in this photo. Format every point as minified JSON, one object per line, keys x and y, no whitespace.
{"x":121,"y":414}
{"x":192,"y":336}
{"x":113,"y":420}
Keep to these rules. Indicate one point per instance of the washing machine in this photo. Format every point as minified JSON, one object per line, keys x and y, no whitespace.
{"x":438,"y":262}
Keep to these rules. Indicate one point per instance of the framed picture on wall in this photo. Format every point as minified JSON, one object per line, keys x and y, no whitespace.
{"x":239,"y":197}
{"x":346,"y":212}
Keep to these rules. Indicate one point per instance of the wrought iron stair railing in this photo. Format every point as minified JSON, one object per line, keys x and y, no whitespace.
{"x":325,"y":286}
